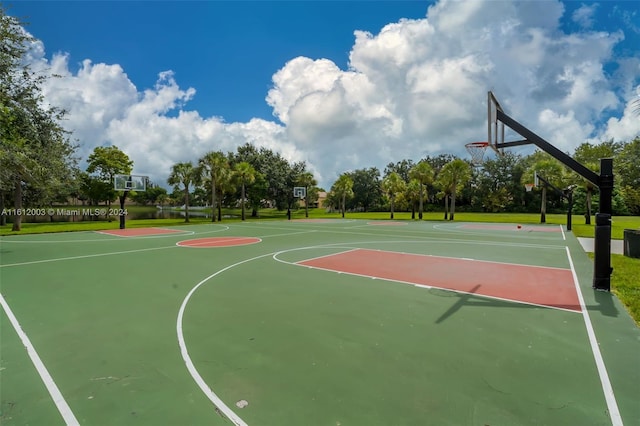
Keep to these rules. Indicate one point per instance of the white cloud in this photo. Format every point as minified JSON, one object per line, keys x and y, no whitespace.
{"x":417,"y":87}
{"x":625,"y":128}
{"x":584,"y":15}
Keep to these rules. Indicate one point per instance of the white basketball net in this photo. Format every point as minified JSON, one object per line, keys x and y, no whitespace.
{"x":477,"y":149}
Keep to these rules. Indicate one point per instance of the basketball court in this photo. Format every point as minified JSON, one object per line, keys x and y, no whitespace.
{"x":313,"y":322}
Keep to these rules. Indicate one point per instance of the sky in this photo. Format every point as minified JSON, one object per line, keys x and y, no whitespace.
{"x":341,"y":85}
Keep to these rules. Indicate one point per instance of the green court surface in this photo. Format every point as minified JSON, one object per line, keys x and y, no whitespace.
{"x":312,"y":322}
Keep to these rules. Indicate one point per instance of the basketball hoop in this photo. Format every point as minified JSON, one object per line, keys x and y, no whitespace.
{"x":529,"y":186}
{"x":477,"y":149}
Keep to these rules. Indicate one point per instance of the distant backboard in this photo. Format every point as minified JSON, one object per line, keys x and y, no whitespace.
{"x":495,"y":127}
{"x":300,"y":192}
{"x":130,"y":183}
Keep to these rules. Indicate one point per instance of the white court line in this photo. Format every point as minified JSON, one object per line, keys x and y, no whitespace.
{"x":322,"y":257}
{"x":34,"y":262}
{"x":612,"y":405}
{"x":55,"y":393}
{"x":210,"y":394}
{"x":290,"y":233}
{"x":439,"y":257}
{"x":181,"y":233}
{"x":564,"y":238}
{"x":507,"y":234}
{"x":174,"y":232}
{"x":231,"y":238}
{"x":203,"y":244}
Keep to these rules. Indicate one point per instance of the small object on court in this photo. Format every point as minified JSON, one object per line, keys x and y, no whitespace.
{"x":519,"y":226}
{"x":242,"y":403}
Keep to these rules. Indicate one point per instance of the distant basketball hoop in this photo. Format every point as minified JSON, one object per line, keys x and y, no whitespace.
{"x":477,"y":149}
{"x":300,"y":192}
{"x":130,"y":182}
{"x":529,"y":186}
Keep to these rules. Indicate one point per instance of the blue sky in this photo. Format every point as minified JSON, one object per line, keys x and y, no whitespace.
{"x":340,"y":84}
{"x":226,"y":50}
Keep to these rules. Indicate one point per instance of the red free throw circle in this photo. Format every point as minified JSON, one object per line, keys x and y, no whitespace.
{"x":218,"y":242}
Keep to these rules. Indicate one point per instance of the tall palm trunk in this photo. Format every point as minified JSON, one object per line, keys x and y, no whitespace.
{"x":392,"y":208}
{"x":446,"y":206}
{"x":453,"y":203}
{"x":242,"y":201}
{"x":186,"y":204}
{"x":213,"y":198}
{"x":344,"y":201}
{"x":420,"y":208}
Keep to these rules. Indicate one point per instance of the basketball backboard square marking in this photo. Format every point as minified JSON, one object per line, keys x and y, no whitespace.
{"x":130,"y":182}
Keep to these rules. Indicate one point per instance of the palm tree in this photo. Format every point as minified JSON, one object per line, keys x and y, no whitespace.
{"x":412,"y":194}
{"x":213,"y":164}
{"x":225,"y":185}
{"x":453,"y":176}
{"x":307,"y":180}
{"x":246,"y":175}
{"x":393,"y":185}
{"x":343,"y":189}
{"x":423,"y":173}
{"x":183,"y":174}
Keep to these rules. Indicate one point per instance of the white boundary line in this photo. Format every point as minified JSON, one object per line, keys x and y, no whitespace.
{"x":176,"y":232}
{"x":215,"y":399}
{"x":34,"y":262}
{"x":612,"y":405}
{"x":55,"y":393}
{"x":507,"y":234}
{"x":202,"y":244}
{"x":564,"y":238}
{"x":318,"y":257}
{"x":447,"y":257}
{"x":14,"y":240}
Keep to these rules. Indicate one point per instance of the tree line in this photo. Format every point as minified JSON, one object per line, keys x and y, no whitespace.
{"x":250,"y":178}
{"x":39,"y":167}
{"x":446,"y":183}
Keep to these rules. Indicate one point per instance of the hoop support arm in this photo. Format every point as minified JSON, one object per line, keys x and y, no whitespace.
{"x":565,"y":159}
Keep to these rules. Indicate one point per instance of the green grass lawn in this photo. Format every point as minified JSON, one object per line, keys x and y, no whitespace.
{"x":624,"y":281}
{"x":619,"y":223}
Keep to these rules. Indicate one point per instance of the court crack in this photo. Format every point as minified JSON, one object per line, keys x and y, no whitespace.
{"x":495,"y":388}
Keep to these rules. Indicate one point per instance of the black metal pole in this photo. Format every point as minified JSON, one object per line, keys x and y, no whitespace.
{"x":602,"y":250}
{"x":570,"y":210}
{"x":602,"y":261}
{"x":123,"y":197}
{"x":543,"y":207}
